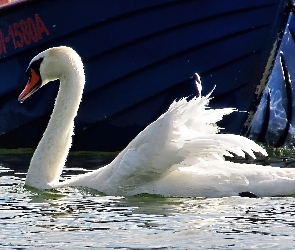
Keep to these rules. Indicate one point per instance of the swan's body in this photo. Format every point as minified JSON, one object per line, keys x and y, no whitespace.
{"x":180,"y":154}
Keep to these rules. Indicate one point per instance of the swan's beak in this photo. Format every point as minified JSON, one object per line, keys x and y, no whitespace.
{"x":32,"y":86}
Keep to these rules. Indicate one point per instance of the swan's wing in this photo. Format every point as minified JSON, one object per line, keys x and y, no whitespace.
{"x":196,"y":137}
{"x":215,"y":146}
{"x":146,"y":158}
{"x":164,"y":144}
{"x":194,"y":116}
{"x":183,"y":136}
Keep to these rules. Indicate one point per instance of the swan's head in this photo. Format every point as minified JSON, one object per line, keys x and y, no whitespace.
{"x":50,"y":65}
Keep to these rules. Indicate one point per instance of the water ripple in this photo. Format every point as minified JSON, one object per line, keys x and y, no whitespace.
{"x":77,"y":218}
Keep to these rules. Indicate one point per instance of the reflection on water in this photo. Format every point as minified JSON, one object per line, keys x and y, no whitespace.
{"x":77,"y":218}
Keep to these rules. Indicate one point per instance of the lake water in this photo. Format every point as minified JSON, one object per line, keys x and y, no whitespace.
{"x":75,"y":218}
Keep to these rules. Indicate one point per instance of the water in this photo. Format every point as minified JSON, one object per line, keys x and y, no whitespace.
{"x":76,"y":218}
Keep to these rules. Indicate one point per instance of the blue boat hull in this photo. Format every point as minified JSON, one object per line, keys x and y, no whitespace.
{"x":274,"y":120}
{"x":139,"y":56}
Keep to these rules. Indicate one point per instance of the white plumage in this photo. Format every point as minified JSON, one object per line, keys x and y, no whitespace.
{"x":180,"y":154}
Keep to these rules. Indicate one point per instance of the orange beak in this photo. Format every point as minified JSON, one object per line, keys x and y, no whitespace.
{"x":32,"y":86}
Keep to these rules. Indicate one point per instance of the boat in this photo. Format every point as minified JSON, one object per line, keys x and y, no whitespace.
{"x":274,"y":120}
{"x":139,"y":56}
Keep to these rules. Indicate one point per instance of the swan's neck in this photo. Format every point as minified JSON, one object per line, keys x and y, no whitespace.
{"x":50,"y":156}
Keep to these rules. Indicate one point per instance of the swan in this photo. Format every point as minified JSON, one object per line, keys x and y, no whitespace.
{"x":182,"y":153}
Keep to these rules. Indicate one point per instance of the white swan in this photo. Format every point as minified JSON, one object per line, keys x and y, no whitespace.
{"x":180,"y":154}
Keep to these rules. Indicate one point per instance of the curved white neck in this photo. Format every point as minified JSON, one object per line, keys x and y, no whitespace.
{"x":50,"y":156}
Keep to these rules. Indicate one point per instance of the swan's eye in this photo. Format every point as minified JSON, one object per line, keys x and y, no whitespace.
{"x":28,"y":73}
{"x":35,"y":66}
